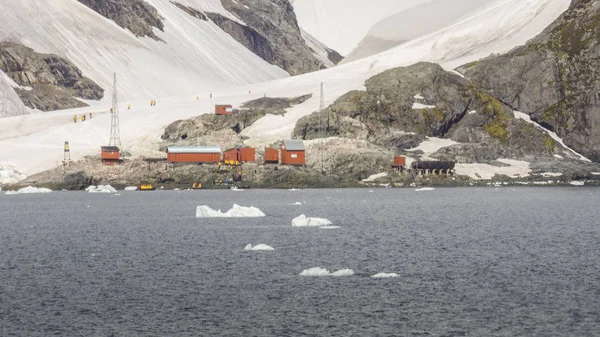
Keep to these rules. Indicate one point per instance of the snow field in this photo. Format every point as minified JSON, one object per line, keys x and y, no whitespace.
{"x":236,"y":211}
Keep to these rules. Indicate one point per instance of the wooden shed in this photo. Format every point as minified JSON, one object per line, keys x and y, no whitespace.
{"x":399,"y":162}
{"x":240,"y":154}
{"x":193,"y":154}
{"x":293,"y":152}
{"x":223,"y":110}
{"x":271,"y":156}
{"x":110,"y":155}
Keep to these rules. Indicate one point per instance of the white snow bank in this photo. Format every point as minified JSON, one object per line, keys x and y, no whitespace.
{"x":101,"y":189}
{"x":516,"y":169}
{"x":9,"y":175}
{"x":29,"y":190}
{"x":418,"y":96}
{"x":552,"y":174}
{"x":432,"y":145}
{"x":385,"y":275}
{"x":317,"y":271}
{"x":236,"y":211}
{"x":552,"y":134}
{"x":131,"y":188}
{"x":577,"y":183}
{"x":375,"y":177}
{"x":425,"y":189}
{"x":258,"y":247}
{"x":303,"y":221}
{"x":472,"y":112}
{"x":596,"y":173}
{"x":419,"y":106}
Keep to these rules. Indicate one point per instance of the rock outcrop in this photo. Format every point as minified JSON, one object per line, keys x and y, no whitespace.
{"x":271,"y":32}
{"x":137,"y":16}
{"x":554,"y":78}
{"x":47,"y":81}
{"x":402,"y":106}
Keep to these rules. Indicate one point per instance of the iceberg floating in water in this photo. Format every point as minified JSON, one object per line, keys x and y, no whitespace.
{"x":258,"y":247}
{"x":318,"y":271}
{"x":236,"y":189}
{"x":294,"y":189}
{"x":29,"y":190}
{"x":298,"y":203}
{"x":425,"y":189}
{"x":385,"y":275}
{"x":577,"y":183}
{"x":303,"y":221}
{"x":236,"y":211}
{"x":131,"y":188}
{"x":101,"y":189}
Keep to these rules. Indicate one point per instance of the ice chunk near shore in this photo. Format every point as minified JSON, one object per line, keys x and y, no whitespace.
{"x":236,"y":211}
{"x":131,"y":188}
{"x":294,"y":189}
{"x":29,"y":190}
{"x":577,"y":183}
{"x":425,"y":189}
{"x":298,"y":203}
{"x":318,"y":271}
{"x":258,"y":247}
{"x":101,"y":189}
{"x":303,"y":221}
{"x":385,"y":275}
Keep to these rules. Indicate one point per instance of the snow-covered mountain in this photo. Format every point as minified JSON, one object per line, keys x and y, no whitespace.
{"x":199,"y":58}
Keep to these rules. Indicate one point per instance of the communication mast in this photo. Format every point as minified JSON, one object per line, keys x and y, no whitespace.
{"x":115,"y":135}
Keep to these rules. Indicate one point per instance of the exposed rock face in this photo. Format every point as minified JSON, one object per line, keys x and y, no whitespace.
{"x":401,"y":106}
{"x":49,"y":82}
{"x":136,"y":15}
{"x":225,"y":129}
{"x":554,"y":78}
{"x":271,"y":32}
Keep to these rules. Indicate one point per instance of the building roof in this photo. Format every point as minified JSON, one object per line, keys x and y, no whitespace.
{"x":193,"y":149}
{"x":294,"y":145}
{"x":110,"y":148}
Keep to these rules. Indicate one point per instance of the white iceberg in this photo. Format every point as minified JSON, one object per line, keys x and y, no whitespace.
{"x":294,"y":189}
{"x":29,"y":190}
{"x":258,"y":247}
{"x":303,"y":221}
{"x":298,"y":203}
{"x":425,"y":189}
{"x":101,"y":189}
{"x":236,"y":189}
{"x":236,"y":211}
{"x":131,"y":188}
{"x":385,"y":275}
{"x":318,"y":271}
{"x":577,"y":183}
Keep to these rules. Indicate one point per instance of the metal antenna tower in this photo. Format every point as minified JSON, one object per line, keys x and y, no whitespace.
{"x":324,"y":133}
{"x":115,"y":134}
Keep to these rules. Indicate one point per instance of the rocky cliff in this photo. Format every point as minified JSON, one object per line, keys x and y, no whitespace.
{"x":48,"y":82}
{"x":554,"y":78}
{"x":137,"y":16}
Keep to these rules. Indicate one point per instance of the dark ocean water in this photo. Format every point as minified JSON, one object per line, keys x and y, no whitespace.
{"x":471,"y":262}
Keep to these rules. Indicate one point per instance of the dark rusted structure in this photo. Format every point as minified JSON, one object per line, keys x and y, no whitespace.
{"x":433,"y":165}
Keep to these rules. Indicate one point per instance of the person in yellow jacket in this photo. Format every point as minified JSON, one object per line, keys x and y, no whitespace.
{"x":83,"y":118}
{"x":129,"y":107}
{"x":75,"y":119}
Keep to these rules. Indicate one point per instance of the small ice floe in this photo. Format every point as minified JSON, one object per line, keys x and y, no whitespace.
{"x":294,"y":189}
{"x":425,"y":189}
{"x":330,"y":227}
{"x":318,"y":271}
{"x":297,"y":203}
{"x":577,"y":183}
{"x":131,"y":188}
{"x":385,"y":275}
{"x":101,"y":189}
{"x":371,"y":191}
{"x":117,"y":194}
{"x":236,"y":189}
{"x":258,"y":247}
{"x":236,"y":211}
{"x":29,"y":190}
{"x":303,"y":221}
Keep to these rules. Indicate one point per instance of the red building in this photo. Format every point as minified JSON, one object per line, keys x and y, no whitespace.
{"x":271,"y":156}
{"x":399,"y":161}
{"x":110,"y":155}
{"x":223,"y":110}
{"x":293,"y":152}
{"x":193,"y":154}
{"x":242,"y":155}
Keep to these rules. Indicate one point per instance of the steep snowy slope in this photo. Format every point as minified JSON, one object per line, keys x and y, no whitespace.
{"x":10,"y":104}
{"x":341,"y":24}
{"x":412,"y":23}
{"x":34,"y":142}
{"x":195,"y":55}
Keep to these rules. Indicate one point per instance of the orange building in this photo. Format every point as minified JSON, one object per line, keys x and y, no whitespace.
{"x":223,"y":110}
{"x":193,"y":154}
{"x":110,"y":155}
{"x":271,"y":156}
{"x":240,"y":154}
{"x":293,"y":152}
{"x":399,"y":161}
